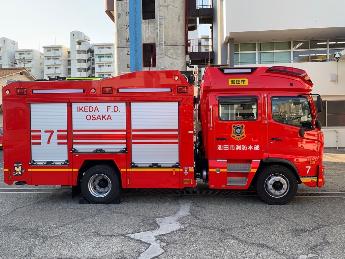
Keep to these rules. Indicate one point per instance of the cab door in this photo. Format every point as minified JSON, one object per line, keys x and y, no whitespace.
{"x":287,"y":115}
{"x":240,"y":130}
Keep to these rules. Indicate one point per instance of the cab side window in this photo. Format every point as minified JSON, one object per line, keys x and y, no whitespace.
{"x":293,"y":111}
{"x":238,"y":108}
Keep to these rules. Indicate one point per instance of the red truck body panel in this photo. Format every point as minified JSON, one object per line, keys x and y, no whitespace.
{"x":164,"y":87}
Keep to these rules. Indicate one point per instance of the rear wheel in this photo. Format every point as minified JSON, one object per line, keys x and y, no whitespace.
{"x":100,"y":184}
{"x":276,"y":185}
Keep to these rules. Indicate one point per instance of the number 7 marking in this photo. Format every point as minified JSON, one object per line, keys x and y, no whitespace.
{"x":308,"y":168}
{"x":51,"y":133}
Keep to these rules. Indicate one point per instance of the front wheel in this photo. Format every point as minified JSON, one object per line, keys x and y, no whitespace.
{"x":100,"y":184}
{"x":276,"y":185}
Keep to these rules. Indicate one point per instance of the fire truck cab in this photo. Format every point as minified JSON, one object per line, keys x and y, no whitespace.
{"x":257,"y":128}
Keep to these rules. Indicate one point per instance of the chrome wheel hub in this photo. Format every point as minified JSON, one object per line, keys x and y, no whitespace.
{"x":277,"y":185}
{"x":99,"y":185}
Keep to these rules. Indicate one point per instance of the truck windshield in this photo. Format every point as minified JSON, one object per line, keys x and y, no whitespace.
{"x":293,"y":111}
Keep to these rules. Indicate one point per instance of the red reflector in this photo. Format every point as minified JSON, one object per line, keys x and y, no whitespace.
{"x":107,"y":90}
{"x":21,"y":91}
{"x":182,"y":89}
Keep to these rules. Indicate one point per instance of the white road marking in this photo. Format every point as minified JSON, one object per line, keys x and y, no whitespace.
{"x":166,"y":225}
{"x":24,"y":192}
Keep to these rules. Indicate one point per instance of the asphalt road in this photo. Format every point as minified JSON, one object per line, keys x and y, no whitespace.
{"x":48,"y":223}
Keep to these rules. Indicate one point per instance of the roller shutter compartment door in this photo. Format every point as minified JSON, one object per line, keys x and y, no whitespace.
{"x":49,"y":133}
{"x":99,"y":127}
{"x":155,"y":134}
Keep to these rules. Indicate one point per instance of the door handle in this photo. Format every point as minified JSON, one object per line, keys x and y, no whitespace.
{"x":221,"y":139}
{"x":276,"y":139}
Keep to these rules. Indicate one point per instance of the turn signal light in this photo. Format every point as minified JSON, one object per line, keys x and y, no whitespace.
{"x":21,"y":91}
{"x":107,"y":90}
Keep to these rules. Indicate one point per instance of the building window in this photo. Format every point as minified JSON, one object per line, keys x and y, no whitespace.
{"x":333,"y":114}
{"x":149,"y":54}
{"x":148,"y":8}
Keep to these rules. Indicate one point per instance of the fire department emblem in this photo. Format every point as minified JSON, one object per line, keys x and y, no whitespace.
{"x":238,"y":132}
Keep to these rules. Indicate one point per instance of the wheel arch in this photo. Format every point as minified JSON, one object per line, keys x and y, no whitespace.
{"x":87,"y":164}
{"x":277,"y":161}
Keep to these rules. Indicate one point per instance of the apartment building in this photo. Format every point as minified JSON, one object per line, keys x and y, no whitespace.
{"x":294,"y":33}
{"x":31,"y":60}
{"x":149,"y":34}
{"x":81,"y":53}
{"x":103,"y":59}
{"x":8,"y":48}
{"x":55,"y":61}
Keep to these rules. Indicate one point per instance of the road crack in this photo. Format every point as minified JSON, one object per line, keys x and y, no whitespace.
{"x":166,"y":225}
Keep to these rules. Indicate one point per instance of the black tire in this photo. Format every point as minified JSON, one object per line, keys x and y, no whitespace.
{"x":100,"y":184}
{"x":276,"y":185}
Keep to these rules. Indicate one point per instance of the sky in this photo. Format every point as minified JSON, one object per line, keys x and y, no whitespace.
{"x":36,"y":23}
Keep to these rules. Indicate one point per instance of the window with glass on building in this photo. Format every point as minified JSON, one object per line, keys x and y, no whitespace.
{"x":297,"y":51}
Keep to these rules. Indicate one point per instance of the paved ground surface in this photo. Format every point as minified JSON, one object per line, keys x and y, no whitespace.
{"x":47,"y":223}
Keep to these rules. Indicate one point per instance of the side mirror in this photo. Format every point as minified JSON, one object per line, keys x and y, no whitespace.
{"x":301,"y":132}
{"x":319,"y":104}
{"x":318,"y":124}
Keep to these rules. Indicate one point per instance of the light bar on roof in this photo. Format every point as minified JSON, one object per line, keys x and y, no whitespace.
{"x":144,"y":90}
{"x":237,"y":70}
{"x":58,"y":91}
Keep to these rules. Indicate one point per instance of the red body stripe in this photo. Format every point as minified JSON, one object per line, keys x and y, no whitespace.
{"x":158,"y":143}
{"x":36,"y":143}
{"x":98,"y":143}
{"x":155,"y":136}
{"x":61,"y":137}
{"x":154,"y":130}
{"x":100,"y":130}
{"x":35,"y":137}
{"x":99,"y":136}
{"x":35,"y":131}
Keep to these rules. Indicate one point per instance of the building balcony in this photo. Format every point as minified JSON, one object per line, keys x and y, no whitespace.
{"x":200,"y":51}
{"x":104,"y":70}
{"x":52,"y":71}
{"x":83,"y":65}
{"x":201,"y":9}
{"x":109,"y":9}
{"x":98,"y":51}
{"x":52,"y":53}
{"x":82,"y":56}
{"x":52,"y":62}
{"x":104,"y":60}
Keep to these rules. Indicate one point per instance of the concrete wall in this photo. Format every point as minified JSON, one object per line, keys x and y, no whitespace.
{"x":265,"y":15}
{"x":77,"y":36}
{"x":121,"y":46}
{"x":55,"y":61}
{"x":32,"y":60}
{"x":322,"y":75}
{"x":8,"y":48}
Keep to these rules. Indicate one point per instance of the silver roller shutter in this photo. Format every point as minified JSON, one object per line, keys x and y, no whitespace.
{"x":155,"y":133}
{"x":49,"y":133}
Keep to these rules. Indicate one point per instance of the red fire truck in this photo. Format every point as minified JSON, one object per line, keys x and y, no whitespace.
{"x":256,"y":128}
